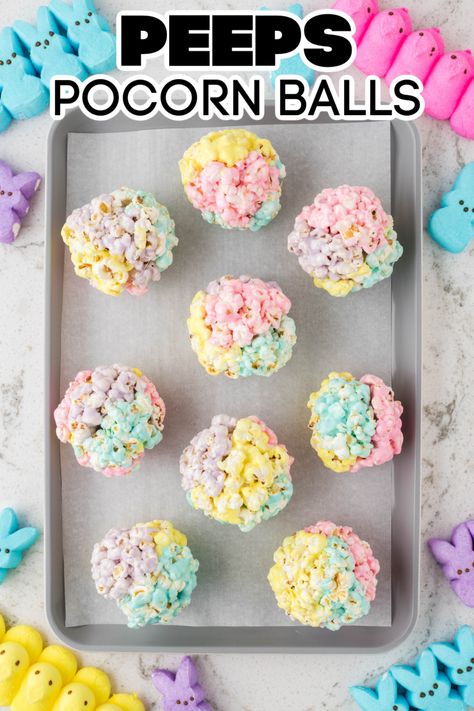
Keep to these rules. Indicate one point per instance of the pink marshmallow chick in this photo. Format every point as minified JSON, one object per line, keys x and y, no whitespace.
{"x":382,"y":40}
{"x":418,"y":55}
{"x":361,"y":11}
{"x":462,"y":120}
{"x":447,"y":82}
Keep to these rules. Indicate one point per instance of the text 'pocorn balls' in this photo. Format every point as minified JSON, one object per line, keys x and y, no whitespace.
{"x":121,"y":241}
{"x":324,"y":576}
{"x":345,"y":240}
{"x":110,"y":415}
{"x":240,"y":327}
{"x":37,"y":679}
{"x":148,"y":570}
{"x":234,"y":178}
{"x":355,"y":423}
{"x":236,"y":472}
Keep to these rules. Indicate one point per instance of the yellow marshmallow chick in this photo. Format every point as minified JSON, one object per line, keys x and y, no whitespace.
{"x":89,"y":688}
{"x":21,"y":647}
{"x":44,"y":680}
{"x":2,"y":627}
{"x":122,"y":702}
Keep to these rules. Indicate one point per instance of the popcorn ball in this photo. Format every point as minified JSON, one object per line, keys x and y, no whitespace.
{"x":324,"y":576}
{"x":240,"y":327}
{"x":234,"y":178}
{"x":235,"y":471}
{"x":122,"y":240}
{"x":148,"y":570}
{"x":355,"y":423}
{"x":110,"y":415}
{"x":345,"y":240}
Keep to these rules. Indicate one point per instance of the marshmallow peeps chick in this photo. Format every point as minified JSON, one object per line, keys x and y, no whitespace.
{"x":462,"y":120}
{"x":37,"y":679}
{"x":428,"y":688}
{"x":88,"y":32}
{"x":418,"y":55}
{"x":452,"y":226}
{"x":457,"y":560}
{"x":90,"y":687}
{"x":361,"y":11}
{"x":50,"y":52}
{"x":14,"y":541}
{"x":385,"y":697}
{"x":20,"y":649}
{"x":23,"y":94}
{"x":180,"y":689}
{"x":382,"y":40}
{"x":15,"y":193}
{"x":458,"y":658}
{"x":447,"y":82}
{"x":44,"y":680}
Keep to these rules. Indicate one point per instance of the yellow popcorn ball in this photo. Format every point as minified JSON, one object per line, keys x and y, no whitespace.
{"x":236,"y":472}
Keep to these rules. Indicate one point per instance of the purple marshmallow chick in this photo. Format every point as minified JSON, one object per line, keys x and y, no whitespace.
{"x":15,"y":193}
{"x":457,"y":560}
{"x":181,"y":690}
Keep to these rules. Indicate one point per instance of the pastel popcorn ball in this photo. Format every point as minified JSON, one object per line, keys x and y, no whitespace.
{"x":121,"y":241}
{"x":147,"y":569}
{"x":234,"y":178}
{"x":240,"y":327}
{"x":345,"y":240}
{"x":236,"y":472}
{"x":324,"y":576}
{"x":355,"y":423}
{"x":110,"y":415}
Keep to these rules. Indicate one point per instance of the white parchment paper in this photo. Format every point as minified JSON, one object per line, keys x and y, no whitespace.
{"x":150,"y":332}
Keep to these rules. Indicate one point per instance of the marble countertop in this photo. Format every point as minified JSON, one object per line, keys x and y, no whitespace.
{"x":250,"y":682}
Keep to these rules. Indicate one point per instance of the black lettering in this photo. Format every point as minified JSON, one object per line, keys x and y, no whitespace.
{"x":330,"y":35}
{"x":398,"y":93}
{"x":187,"y":107}
{"x":285,"y":94}
{"x":141,"y":35}
{"x":108,"y":107}
{"x":133,"y":108}
{"x":275,"y":35}
{"x":189,"y":41}
{"x":228,"y":48}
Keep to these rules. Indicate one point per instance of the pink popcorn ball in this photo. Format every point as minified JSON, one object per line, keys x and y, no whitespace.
{"x":110,"y":416}
{"x":234,"y":178}
{"x":345,"y":240}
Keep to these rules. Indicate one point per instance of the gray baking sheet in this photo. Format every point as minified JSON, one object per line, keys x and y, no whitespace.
{"x":150,"y":333}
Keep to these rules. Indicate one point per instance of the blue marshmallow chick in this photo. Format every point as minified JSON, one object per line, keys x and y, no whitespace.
{"x":458,"y":659}
{"x":23,"y":93}
{"x":89,"y":34}
{"x":452,"y":226}
{"x":427,"y":688}
{"x":14,"y":542}
{"x":386,"y":697}
{"x":51,"y":52}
